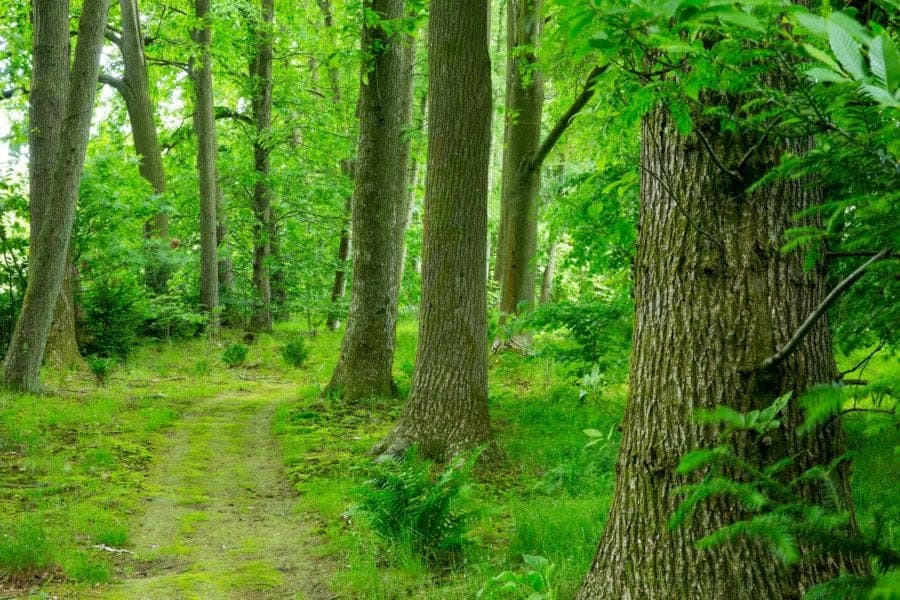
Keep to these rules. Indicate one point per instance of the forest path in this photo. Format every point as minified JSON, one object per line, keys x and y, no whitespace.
{"x":218,"y":519}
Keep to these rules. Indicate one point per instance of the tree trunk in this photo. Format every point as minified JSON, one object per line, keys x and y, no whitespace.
{"x":261,"y":84}
{"x":51,"y":246}
{"x":521,"y":177}
{"x":549,"y":270}
{"x":385,"y":109}
{"x":339,"y":287}
{"x":136,"y":93}
{"x":223,"y":258}
{"x":447,"y":409}
{"x":47,"y":100}
{"x":205,"y":129}
{"x":714,"y":296}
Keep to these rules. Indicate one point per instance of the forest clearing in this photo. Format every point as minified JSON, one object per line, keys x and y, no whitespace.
{"x":449,"y":299}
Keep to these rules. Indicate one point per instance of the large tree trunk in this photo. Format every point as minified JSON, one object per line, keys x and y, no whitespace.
{"x":51,"y":246}
{"x":47,"y":101}
{"x":385,"y":109}
{"x":447,"y":410}
{"x":261,"y":84}
{"x":136,"y":93}
{"x":205,"y":128}
{"x":521,"y":177}
{"x":714,"y":297}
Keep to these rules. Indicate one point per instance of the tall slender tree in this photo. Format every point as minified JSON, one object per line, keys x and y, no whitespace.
{"x":714,"y":298}
{"x":447,"y":409}
{"x":51,"y":246}
{"x":135,"y":90}
{"x":380,"y":203}
{"x":205,"y":129}
{"x":261,"y":96}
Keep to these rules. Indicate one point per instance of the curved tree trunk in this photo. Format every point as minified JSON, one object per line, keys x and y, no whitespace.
{"x":136,"y":93}
{"x":521,"y":177}
{"x":51,"y":246}
{"x":379,"y":199}
{"x":205,"y":128}
{"x":261,"y":84}
{"x":714,"y":296}
{"x":447,"y":409}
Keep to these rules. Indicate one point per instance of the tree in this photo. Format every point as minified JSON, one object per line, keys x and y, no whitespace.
{"x":380,"y":199}
{"x":714,"y":297}
{"x":447,"y":408}
{"x":135,"y":90}
{"x":47,"y":101}
{"x":205,"y":129}
{"x":261,"y":88}
{"x":50,"y":249}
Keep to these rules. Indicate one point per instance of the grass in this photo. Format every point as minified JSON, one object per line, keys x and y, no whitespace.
{"x":73,"y":469}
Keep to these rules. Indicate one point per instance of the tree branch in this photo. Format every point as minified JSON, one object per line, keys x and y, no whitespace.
{"x":9,"y":93}
{"x":560,"y":128}
{"x":804,"y":328}
{"x":856,"y":253}
{"x":223,"y":112}
{"x":113,"y":82}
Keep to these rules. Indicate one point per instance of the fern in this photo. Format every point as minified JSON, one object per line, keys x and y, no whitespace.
{"x":406,"y":505}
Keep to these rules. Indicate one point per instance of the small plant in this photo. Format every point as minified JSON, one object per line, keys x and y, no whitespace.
{"x":532,"y":582}
{"x":101,"y":368}
{"x":406,"y":505}
{"x":24,"y":552}
{"x":201,"y":368}
{"x":591,"y":386}
{"x":294,"y":352}
{"x":235,"y":355}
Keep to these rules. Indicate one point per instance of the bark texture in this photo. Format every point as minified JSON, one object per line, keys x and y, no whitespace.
{"x":50,"y":249}
{"x":135,"y":90}
{"x":549,"y":270}
{"x":205,"y":129}
{"x":521,"y":177}
{"x":261,"y":85}
{"x":47,"y":102}
{"x":379,"y":207}
{"x":714,"y":297}
{"x":447,"y":408}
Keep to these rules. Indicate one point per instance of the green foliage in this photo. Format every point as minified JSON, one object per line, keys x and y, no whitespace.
{"x":778,"y":509}
{"x":24,"y":551}
{"x":405,"y":504}
{"x":235,"y":354}
{"x":294,"y":351}
{"x":113,"y":311}
{"x":101,"y":368}
{"x":533,"y":581}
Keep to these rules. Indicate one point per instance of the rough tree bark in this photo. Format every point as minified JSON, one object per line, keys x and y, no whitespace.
{"x":549,"y":269}
{"x":205,"y":129}
{"x":521,"y":179}
{"x":447,"y":408}
{"x":135,"y":90}
{"x":261,"y":86}
{"x":379,"y":198}
{"x":714,"y":296}
{"x":50,"y":249}
{"x":47,"y":101}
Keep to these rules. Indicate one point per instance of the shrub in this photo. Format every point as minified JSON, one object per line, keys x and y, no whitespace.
{"x":113,"y":312}
{"x":101,"y":368}
{"x":294,"y":352}
{"x":235,"y":355}
{"x":406,"y":505}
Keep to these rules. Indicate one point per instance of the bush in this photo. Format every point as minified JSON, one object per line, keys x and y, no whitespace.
{"x":113,"y":312}
{"x":100,"y":368}
{"x":294,"y":352}
{"x":430,"y":515}
{"x":235,"y":355}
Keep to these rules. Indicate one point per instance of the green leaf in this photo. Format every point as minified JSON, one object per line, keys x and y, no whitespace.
{"x":821,"y":57}
{"x":885,"y":61}
{"x":847,"y":50}
{"x":742,"y":19}
{"x":682,"y":116}
{"x":822,"y":74}
{"x":813,"y":23}
{"x":880,"y":95}
{"x":593,"y":433}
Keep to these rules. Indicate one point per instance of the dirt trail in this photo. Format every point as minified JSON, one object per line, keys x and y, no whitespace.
{"x":218,"y":520}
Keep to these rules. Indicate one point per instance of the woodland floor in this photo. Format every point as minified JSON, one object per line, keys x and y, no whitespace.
{"x":239,"y":483}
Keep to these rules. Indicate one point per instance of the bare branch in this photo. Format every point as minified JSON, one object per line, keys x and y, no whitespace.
{"x":113,"y":82}
{"x":715,"y":157}
{"x":560,"y":128}
{"x":857,"y":253}
{"x":804,"y":328}
{"x":864,"y":361}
